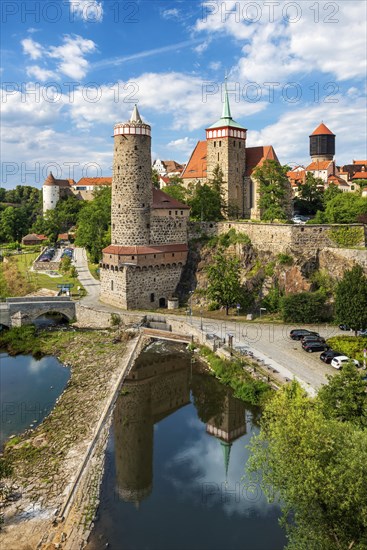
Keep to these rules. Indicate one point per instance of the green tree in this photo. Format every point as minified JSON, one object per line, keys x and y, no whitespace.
{"x":317,"y":468}
{"x":274,"y":190}
{"x":155,"y":178}
{"x":65,"y":264}
{"x":351,"y":299}
{"x":344,"y":397}
{"x":310,"y":198}
{"x":177,"y":191}
{"x":345,"y":208}
{"x":94,"y":221}
{"x":304,"y":307}
{"x":13,"y":224}
{"x":224,"y":286}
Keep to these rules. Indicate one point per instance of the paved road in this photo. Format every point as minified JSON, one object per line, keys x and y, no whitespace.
{"x":90,"y":284}
{"x":267,"y":341}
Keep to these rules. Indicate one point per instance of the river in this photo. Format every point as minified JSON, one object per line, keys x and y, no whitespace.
{"x":29,"y":388}
{"x":174,"y":462}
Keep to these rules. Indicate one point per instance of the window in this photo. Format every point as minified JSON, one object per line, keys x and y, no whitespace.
{"x":176,"y":213}
{"x":181,"y":212}
{"x":148,"y":225}
{"x":152,"y":297}
{"x":133,"y":257}
{"x":170,"y":212}
{"x":155,"y":255}
{"x":143,"y":204}
{"x":234,"y":144}
{"x":239,"y":145}
{"x":220,"y":144}
{"x":111,"y":285}
{"x":113,"y":226}
{"x":136,"y":147}
{"x":218,"y":156}
{"x":119,"y":205}
{"x":137,"y":186}
{"x":215,"y":144}
{"x":173,"y":254}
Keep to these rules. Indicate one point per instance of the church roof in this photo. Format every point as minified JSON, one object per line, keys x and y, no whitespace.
{"x":322,"y":130}
{"x":196,"y":167}
{"x":226,"y":118}
{"x":256,"y":156}
{"x":162,"y":200}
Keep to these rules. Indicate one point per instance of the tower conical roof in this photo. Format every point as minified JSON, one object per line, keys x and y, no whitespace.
{"x":322,"y":130}
{"x":226,"y":448}
{"x":226,"y":118}
{"x":50,"y":180}
{"x":135,"y":116}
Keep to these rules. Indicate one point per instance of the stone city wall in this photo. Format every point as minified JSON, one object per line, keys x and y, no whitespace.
{"x":92,"y":317}
{"x":277,"y":238}
{"x":168,"y":229}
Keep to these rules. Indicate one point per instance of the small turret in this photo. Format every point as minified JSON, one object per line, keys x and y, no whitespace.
{"x":50,"y":193}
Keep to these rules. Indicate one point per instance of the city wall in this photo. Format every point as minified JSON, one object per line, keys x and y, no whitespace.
{"x":277,"y":238}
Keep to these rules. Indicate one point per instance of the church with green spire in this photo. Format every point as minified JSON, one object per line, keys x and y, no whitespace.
{"x":225,"y":147}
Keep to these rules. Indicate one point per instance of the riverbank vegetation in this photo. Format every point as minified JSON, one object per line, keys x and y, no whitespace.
{"x":311,"y":454}
{"x":232,"y":373}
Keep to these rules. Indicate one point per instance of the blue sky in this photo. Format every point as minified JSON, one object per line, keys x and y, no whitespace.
{"x":73,"y":68}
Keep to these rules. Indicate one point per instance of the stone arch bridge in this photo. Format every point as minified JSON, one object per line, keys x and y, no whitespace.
{"x":16,"y":312}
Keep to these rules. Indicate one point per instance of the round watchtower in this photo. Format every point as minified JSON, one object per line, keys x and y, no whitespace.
{"x":131,"y":183}
{"x":322,"y":144}
{"x":50,"y":193}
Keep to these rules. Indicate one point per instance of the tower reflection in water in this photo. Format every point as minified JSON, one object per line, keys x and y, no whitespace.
{"x":157,"y":387}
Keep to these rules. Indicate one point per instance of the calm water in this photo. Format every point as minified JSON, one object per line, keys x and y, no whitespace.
{"x":174,"y":463}
{"x":28,"y":391}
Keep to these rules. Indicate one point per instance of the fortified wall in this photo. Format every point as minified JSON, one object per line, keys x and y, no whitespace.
{"x":278,"y":238}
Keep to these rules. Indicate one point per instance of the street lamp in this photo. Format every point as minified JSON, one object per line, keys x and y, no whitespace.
{"x":262,"y":309}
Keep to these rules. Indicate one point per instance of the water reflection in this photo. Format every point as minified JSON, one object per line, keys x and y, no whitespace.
{"x":174,"y":465}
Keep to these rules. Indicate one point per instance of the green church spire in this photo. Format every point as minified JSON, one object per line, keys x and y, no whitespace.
{"x":226,"y":113}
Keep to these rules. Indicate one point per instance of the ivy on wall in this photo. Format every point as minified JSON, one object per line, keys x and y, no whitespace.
{"x":346,"y":237}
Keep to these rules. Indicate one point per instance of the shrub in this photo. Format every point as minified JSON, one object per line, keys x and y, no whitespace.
{"x":232,"y":237}
{"x":346,"y":237}
{"x":272,"y":300}
{"x":351,"y":346}
{"x":285,"y":259}
{"x":305,"y":307}
{"x":115,"y":319}
{"x":269,"y":269}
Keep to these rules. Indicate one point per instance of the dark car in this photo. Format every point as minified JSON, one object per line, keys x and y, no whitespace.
{"x":313,"y":338}
{"x":314,"y":346}
{"x":344,"y":327}
{"x":297,"y":334}
{"x":328,"y":355}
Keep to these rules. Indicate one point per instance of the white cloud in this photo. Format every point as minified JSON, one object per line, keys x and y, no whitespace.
{"x":89,"y":11}
{"x":183,"y":146}
{"x":173,"y":13}
{"x":215,"y":65}
{"x":71,"y":55}
{"x":290,"y":134}
{"x":201,"y":48}
{"x":40,"y":74}
{"x":32,"y":48}
{"x":276,"y":49}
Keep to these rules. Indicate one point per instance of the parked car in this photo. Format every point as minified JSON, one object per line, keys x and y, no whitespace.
{"x":297,"y":334}
{"x":344,"y":327}
{"x":362,"y":332}
{"x":313,"y":338}
{"x":314,"y":346}
{"x":338,"y":362}
{"x":328,"y":355}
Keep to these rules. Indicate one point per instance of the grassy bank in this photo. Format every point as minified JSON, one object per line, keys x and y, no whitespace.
{"x":16,"y":279}
{"x":233,"y":374}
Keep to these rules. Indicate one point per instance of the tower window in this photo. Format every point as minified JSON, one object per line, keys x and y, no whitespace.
{"x":170,"y":213}
{"x":111,"y":285}
{"x":137,"y":186}
{"x":136,"y":147}
{"x":234,"y":144}
{"x":181,"y":212}
{"x":173,"y":253}
{"x":218,"y":156}
{"x":133,"y":257}
{"x":119,"y":205}
{"x":155,"y":255}
{"x":220,"y":144}
{"x":143,"y":204}
{"x":152,"y":297}
{"x":113,"y":226}
{"x":215,"y":144}
{"x":148,"y":225}
{"x":176,"y":213}
{"x":239,"y":145}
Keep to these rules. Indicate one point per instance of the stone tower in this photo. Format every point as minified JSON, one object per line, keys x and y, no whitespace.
{"x":142,"y":267}
{"x":50,"y":193}
{"x":322,"y":144}
{"x":226,"y":147}
{"x":131,"y":183}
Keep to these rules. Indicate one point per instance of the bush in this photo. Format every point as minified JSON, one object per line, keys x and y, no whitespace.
{"x":305,"y":307}
{"x":232,"y":237}
{"x":272,"y":300}
{"x":115,"y":319}
{"x":351,"y":346}
{"x":285,"y":259}
{"x":346,"y":237}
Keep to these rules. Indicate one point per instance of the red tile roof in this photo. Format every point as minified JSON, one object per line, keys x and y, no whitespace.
{"x":336,"y":180}
{"x":319,"y":165}
{"x":196,"y":167}
{"x":63,"y":237}
{"x":132,"y":250}
{"x":361,"y":162}
{"x":95,"y":181}
{"x":50,"y":180}
{"x":359,"y":176}
{"x":162,"y":200}
{"x":33,"y":237}
{"x":256,"y":156}
{"x":172,"y":166}
{"x":321,"y":130}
